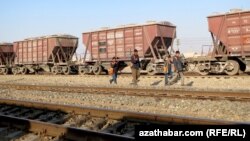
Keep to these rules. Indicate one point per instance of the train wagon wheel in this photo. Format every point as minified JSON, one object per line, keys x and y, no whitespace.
{"x":14,"y":71}
{"x":150,"y":69}
{"x":97,"y":69}
{"x":232,"y":67}
{"x":191,"y":67}
{"x":54,"y":70}
{"x":82,"y":71}
{"x":5,"y":71}
{"x":24,"y":70}
{"x":201,"y":70}
{"x":66,"y":70}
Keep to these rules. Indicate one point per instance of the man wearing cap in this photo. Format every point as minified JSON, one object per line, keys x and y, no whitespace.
{"x":135,"y":67}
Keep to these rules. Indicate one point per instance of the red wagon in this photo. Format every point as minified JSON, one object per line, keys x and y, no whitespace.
{"x":231,"y":41}
{"x":6,"y":57}
{"x":152,"y":41}
{"x":48,"y":53}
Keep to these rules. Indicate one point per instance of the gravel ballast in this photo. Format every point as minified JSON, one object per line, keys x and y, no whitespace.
{"x":223,"y":109}
{"x":228,"y":83}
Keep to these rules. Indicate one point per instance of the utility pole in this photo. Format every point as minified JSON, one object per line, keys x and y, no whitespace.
{"x":177,"y":43}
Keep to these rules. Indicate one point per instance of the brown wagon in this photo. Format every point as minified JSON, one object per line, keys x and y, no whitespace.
{"x":6,"y":57}
{"x":152,"y":41}
{"x":231,"y":40}
{"x":48,"y":53}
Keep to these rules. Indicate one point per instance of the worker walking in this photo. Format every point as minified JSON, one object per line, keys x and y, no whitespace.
{"x":135,"y":67}
{"x":168,"y":69}
{"x":178,"y":65}
{"x":114,"y":70}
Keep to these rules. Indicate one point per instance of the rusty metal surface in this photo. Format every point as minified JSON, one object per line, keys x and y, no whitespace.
{"x":115,"y":114}
{"x":120,"y":42}
{"x":191,"y":93}
{"x":10,"y":116}
{"x":46,"y":49}
{"x":232,"y":30}
{"x":6,"y":47}
{"x":6,"y":54}
{"x":60,"y":131}
{"x":44,"y":121}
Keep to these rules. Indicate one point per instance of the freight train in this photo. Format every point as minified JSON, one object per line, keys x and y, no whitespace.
{"x":152,"y":41}
{"x":49,"y":53}
{"x":230,"y":34}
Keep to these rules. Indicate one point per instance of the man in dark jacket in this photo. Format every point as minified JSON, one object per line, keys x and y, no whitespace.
{"x":135,"y":67}
{"x":115,"y":66}
{"x":179,"y":66}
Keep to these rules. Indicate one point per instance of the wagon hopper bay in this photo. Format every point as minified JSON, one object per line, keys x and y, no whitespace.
{"x":47,"y":54}
{"x":230,"y":34}
{"x":7,"y":56}
{"x":152,"y":40}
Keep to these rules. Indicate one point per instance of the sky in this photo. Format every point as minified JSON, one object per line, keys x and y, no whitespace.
{"x":20,"y":19}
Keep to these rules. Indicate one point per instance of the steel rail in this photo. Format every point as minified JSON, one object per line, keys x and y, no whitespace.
{"x":189,"y":93}
{"x":72,"y":133}
{"x":114,"y":114}
{"x":60,"y":131}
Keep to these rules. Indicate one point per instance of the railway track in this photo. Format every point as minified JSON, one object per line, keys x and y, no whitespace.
{"x":145,"y":75}
{"x":162,"y":76}
{"x":30,"y":120}
{"x":185,"y":92}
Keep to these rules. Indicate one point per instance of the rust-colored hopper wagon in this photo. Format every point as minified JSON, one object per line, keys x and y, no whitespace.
{"x":6,"y":57}
{"x":47,"y":54}
{"x":231,"y":38}
{"x":152,"y":41}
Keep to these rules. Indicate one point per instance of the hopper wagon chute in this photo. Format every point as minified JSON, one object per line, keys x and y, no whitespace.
{"x":230,"y":34}
{"x":47,"y":54}
{"x":152,"y":40}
